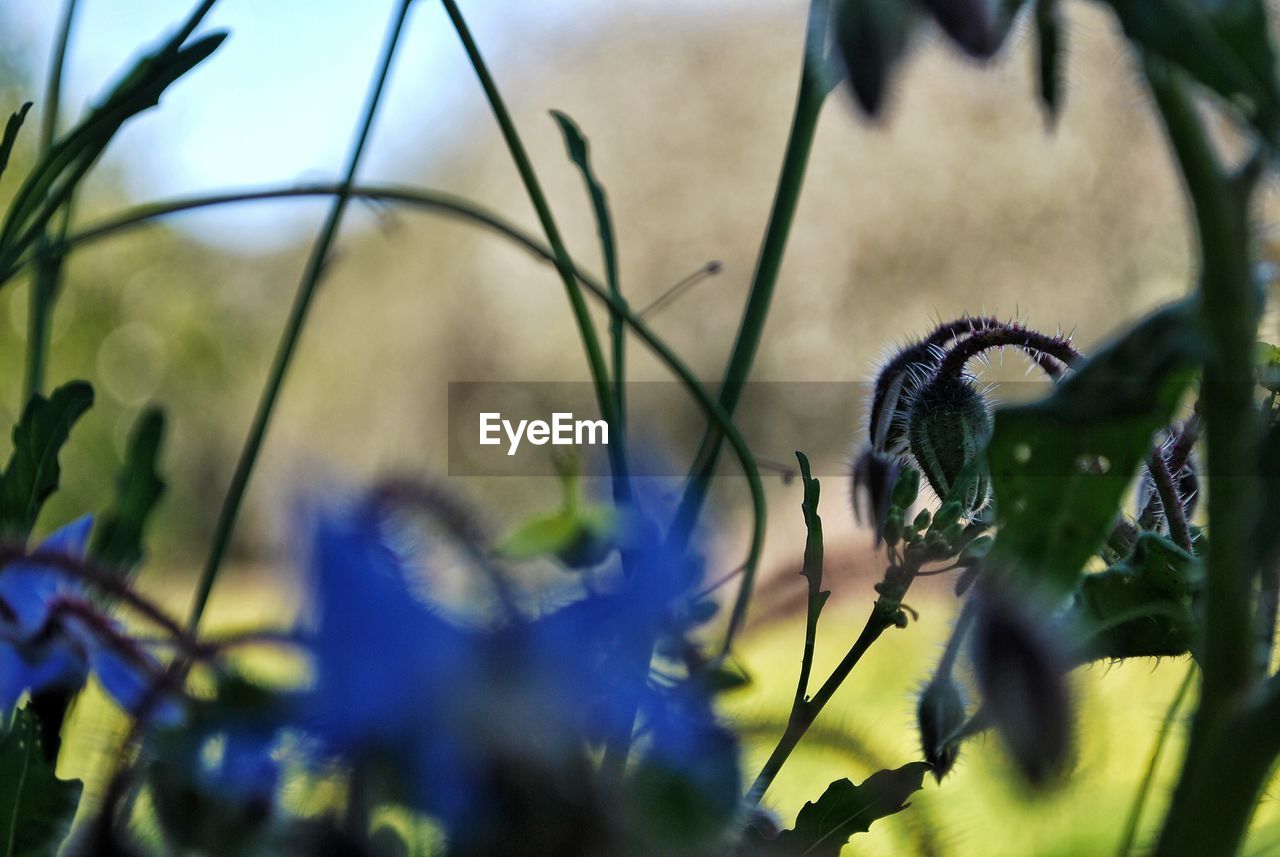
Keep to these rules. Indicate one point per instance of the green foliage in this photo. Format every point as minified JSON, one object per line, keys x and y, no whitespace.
{"x":1141,"y":608}
{"x":813,"y":545}
{"x":1060,"y":466}
{"x":11,"y":128}
{"x":824,"y":826}
{"x":55,"y":177}
{"x":35,"y":806}
{"x":1223,"y":44}
{"x":33,"y":471}
{"x":117,"y":540}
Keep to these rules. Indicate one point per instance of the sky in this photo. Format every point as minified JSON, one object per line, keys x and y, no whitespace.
{"x":278,"y":102}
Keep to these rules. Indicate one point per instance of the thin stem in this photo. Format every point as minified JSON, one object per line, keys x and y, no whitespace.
{"x":1171,"y":499}
{"x":44,"y":282}
{"x":1157,"y":750}
{"x":885,"y":613}
{"x":563,"y":261}
{"x":812,"y":93}
{"x":457,"y":207}
{"x":311,"y":276}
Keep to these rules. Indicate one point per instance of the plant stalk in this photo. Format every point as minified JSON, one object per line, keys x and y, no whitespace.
{"x":312,"y":274}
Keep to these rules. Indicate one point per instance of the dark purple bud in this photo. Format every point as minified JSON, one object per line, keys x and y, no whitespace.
{"x":978,"y":27}
{"x":1022,"y":676}
{"x":874,"y":476}
{"x":872,"y":36}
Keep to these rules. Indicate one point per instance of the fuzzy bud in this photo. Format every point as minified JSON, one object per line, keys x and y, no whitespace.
{"x":940,"y":715}
{"x":872,"y":37}
{"x":1022,"y":677}
{"x":950,"y":426}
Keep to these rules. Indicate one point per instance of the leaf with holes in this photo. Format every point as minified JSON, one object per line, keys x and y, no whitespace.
{"x":35,"y":806}
{"x":1060,"y":466}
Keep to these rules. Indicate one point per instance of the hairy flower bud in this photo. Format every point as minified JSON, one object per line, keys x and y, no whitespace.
{"x":940,"y":715}
{"x":1022,"y":677}
{"x":874,"y":476}
{"x":949,"y":426}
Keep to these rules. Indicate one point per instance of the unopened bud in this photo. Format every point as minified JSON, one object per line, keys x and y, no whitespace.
{"x":940,"y":715}
{"x":949,"y":427}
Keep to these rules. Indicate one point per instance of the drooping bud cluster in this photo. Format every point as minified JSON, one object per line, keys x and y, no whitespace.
{"x":929,"y":412}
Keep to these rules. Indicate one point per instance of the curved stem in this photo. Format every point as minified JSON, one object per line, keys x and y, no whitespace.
{"x":312,"y":274}
{"x":454,"y":206}
{"x":1007,"y":336}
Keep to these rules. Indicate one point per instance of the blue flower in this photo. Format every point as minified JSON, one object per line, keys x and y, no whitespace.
{"x":455,"y":709}
{"x":52,"y":636}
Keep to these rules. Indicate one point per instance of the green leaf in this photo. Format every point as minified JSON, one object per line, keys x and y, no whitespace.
{"x":11,"y":135}
{"x":54,"y":178}
{"x":578,"y":537}
{"x":813,"y":547}
{"x":1224,"y":44}
{"x":1268,"y":362}
{"x":1060,"y":466}
{"x":580,"y":154}
{"x":824,"y":826}
{"x":32,"y":473}
{"x":1141,"y":608}
{"x":35,"y":806}
{"x":117,"y":540}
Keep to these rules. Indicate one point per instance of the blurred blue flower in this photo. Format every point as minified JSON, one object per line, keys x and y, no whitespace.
{"x":454,"y":708}
{"x":52,"y":636}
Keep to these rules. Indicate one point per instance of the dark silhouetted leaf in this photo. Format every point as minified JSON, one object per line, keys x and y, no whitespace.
{"x":117,"y":541}
{"x":35,"y":806}
{"x":33,"y":471}
{"x":11,"y":135}
{"x":1060,"y":466}
{"x":824,"y":826}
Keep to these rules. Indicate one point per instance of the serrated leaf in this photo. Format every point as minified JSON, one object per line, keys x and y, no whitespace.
{"x":35,"y":806}
{"x":824,"y":826}
{"x":1060,"y":466}
{"x":813,"y":544}
{"x":117,"y":541}
{"x":11,"y":135}
{"x":33,"y":471}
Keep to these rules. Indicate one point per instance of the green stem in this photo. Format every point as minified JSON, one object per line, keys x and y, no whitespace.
{"x":44,"y":282}
{"x":1220,"y":782}
{"x":804,"y":122}
{"x":454,"y":206}
{"x":563,"y":261}
{"x":885,"y":614}
{"x":311,"y":276}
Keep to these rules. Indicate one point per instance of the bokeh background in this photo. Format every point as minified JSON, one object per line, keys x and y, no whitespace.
{"x":963,"y":200}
